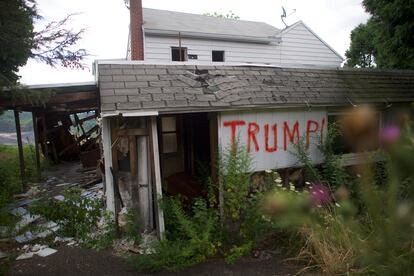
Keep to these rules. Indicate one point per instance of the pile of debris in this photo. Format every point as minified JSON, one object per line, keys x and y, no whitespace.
{"x":31,"y":227}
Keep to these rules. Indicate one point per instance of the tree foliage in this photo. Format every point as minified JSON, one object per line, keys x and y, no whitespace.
{"x":390,"y":29}
{"x":19,"y":41}
{"x":16,"y":37}
{"x":362,"y":50}
{"x":229,"y":15}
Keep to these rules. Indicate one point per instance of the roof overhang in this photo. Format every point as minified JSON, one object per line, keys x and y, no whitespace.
{"x":212,"y":36}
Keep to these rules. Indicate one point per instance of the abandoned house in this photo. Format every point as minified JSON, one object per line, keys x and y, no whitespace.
{"x":193,"y":84}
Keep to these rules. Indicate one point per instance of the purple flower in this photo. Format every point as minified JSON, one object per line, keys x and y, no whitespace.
{"x":389,"y":134}
{"x":320,"y":194}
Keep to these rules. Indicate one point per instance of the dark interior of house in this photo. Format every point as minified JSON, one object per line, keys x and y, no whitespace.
{"x":185,"y":153}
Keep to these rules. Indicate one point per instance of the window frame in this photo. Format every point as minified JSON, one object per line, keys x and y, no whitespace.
{"x":185,"y":57}
{"x":212,"y":55}
{"x":162,"y":132}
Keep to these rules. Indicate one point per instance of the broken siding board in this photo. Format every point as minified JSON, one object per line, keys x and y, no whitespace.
{"x":107,"y":150}
{"x":156,"y":169}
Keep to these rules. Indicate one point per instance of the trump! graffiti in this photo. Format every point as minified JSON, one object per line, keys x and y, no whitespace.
{"x":269,"y":136}
{"x":290,"y":133}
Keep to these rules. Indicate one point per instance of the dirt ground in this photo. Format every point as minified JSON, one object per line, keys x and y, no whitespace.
{"x":77,"y":261}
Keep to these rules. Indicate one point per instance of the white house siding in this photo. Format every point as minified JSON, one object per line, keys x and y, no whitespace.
{"x":159,"y":49}
{"x":301,"y":46}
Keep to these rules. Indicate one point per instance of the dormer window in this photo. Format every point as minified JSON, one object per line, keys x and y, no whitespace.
{"x":178,"y":54}
{"x":218,"y":56}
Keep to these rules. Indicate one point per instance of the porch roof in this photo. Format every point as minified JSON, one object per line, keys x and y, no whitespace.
{"x":137,"y":86}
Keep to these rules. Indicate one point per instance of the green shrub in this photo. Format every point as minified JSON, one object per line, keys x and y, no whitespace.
{"x":190,"y":239}
{"x":132,"y":227}
{"x":77,"y":216}
{"x":374,"y":236}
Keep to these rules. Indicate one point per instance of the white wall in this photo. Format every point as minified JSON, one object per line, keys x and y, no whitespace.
{"x":159,"y":49}
{"x":311,"y":124}
{"x":299,"y":46}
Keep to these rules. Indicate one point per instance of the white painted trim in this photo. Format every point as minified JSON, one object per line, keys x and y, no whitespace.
{"x":60,"y":85}
{"x":107,"y":150}
{"x":352,"y":159}
{"x":129,"y":113}
{"x":210,"y":63}
{"x":139,"y":113}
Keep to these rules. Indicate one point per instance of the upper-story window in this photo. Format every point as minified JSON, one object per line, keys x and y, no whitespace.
{"x":218,"y":56}
{"x":178,"y":54}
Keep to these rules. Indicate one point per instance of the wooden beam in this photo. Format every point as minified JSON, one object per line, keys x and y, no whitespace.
{"x":156,"y":170}
{"x":20,"y":148}
{"x":37,"y":151}
{"x":107,"y":151}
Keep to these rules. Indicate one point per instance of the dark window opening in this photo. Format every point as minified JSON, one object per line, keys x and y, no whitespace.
{"x":177,"y":55}
{"x":340,"y":145}
{"x":218,"y":56}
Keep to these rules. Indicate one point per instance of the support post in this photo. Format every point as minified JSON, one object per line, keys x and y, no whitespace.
{"x":107,"y":150}
{"x":155,"y":158}
{"x":20,"y":148}
{"x":36,"y":141}
{"x":44,"y":138}
{"x":144,"y":186}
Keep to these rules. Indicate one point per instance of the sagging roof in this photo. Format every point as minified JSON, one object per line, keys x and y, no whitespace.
{"x":195,"y":25}
{"x":179,"y":88}
{"x":62,"y":97}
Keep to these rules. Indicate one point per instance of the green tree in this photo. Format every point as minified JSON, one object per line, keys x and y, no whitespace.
{"x":362,"y":50}
{"x":392,"y":29}
{"x":19,"y":41}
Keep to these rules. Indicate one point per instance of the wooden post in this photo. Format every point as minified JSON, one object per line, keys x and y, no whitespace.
{"x":44,"y":138}
{"x":155,"y":158}
{"x":36,"y":141}
{"x":107,"y":150}
{"x":145,"y":197}
{"x":20,"y":147}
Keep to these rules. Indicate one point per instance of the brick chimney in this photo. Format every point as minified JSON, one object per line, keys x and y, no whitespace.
{"x":137,"y":36}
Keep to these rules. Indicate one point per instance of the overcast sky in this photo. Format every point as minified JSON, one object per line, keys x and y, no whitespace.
{"x":107,"y":22}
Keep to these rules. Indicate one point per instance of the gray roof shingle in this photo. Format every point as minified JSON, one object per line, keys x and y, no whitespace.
{"x":181,"y":88}
{"x":195,"y":23}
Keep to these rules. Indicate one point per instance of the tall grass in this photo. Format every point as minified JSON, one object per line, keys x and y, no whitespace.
{"x":10,"y":181}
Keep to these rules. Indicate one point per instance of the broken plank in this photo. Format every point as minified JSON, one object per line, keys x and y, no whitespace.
{"x":156,"y":170}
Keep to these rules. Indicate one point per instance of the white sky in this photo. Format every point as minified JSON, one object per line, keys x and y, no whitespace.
{"x":107,"y":22}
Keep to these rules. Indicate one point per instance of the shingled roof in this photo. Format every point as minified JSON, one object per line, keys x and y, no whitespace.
{"x":180,"y":88}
